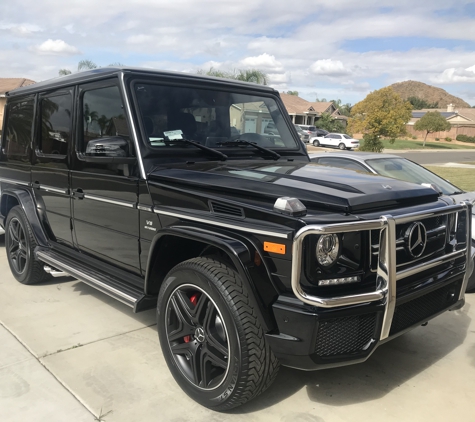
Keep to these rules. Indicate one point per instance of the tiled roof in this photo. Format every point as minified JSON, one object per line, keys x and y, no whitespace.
{"x":8,"y":84}
{"x":321,"y":106}
{"x":297,"y":105}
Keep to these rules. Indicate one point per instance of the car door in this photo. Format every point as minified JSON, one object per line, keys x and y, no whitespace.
{"x":104,"y":179}
{"x":50,"y":163}
{"x":327,"y":140}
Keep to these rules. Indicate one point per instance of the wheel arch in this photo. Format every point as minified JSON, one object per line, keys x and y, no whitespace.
{"x":173,"y":245}
{"x":22,"y":197}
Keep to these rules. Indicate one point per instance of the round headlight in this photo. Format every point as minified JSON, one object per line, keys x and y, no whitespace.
{"x":328,"y":249}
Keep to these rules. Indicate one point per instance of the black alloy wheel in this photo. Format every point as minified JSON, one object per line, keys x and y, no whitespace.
{"x":210,"y":335}
{"x":197,"y":337}
{"x":17,"y":247}
{"x":20,"y":244}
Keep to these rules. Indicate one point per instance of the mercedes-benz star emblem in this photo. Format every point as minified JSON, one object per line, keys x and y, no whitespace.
{"x":200,"y":334}
{"x":416,"y":239}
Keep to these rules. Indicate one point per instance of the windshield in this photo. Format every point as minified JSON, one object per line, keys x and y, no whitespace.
{"x":402,"y":169}
{"x":211,"y":118}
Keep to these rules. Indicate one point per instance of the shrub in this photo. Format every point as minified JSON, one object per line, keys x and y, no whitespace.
{"x":371,"y":143}
{"x":465,"y":138}
{"x":448,"y":139}
{"x":437,"y":139}
{"x":414,"y":137}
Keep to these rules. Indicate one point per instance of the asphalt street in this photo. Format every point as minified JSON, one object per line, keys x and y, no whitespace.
{"x":71,"y":353}
{"x":437,"y":157}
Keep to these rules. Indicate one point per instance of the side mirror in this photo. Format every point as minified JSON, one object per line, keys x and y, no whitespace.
{"x":112,"y":146}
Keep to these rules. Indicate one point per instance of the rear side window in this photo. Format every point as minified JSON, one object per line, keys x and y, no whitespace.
{"x":55,"y":124}
{"x":19,"y":126}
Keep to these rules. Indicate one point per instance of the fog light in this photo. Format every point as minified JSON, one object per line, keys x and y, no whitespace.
{"x":337,"y":281}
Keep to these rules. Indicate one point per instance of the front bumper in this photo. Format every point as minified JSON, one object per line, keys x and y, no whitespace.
{"x":321,"y":332}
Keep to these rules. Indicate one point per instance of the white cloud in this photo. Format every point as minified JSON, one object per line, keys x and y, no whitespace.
{"x":455,"y":75}
{"x":56,"y":48}
{"x":264,"y":61}
{"x":21,"y":30}
{"x":329,"y":67}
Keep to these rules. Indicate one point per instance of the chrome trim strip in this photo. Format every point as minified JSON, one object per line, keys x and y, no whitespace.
{"x":132,"y":126}
{"x":469,"y":261}
{"x":221,"y":224}
{"x":297,"y":265}
{"x":387,"y":275}
{"x":144,"y":208}
{"x":124,"y":298}
{"x":55,"y":190}
{"x":14,"y":182}
{"x":110,"y":201}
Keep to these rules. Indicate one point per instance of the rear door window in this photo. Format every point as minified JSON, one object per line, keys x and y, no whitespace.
{"x":19,"y":128}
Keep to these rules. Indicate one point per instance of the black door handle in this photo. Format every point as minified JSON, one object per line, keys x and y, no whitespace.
{"x":78,"y":193}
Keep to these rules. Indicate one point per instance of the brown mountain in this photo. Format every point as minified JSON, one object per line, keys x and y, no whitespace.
{"x":429,"y":93}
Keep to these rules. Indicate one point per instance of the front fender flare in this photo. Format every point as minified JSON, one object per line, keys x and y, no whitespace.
{"x":236,"y":250}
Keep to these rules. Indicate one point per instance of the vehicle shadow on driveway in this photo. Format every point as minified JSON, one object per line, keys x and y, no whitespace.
{"x":390,"y":366}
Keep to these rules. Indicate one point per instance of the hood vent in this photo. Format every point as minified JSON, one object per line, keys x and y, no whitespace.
{"x":226,"y":209}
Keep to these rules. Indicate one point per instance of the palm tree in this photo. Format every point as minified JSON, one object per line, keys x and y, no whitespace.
{"x":102,"y":122}
{"x":85,"y":65}
{"x":249,"y":75}
{"x":252,"y":75}
{"x":89,"y":116}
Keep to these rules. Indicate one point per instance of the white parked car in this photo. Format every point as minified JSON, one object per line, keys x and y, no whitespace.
{"x":339,"y":140}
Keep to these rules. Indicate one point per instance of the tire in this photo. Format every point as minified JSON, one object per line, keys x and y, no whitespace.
{"x":204,"y":315}
{"x":316,"y":143}
{"x":20,"y":244}
{"x":342,"y":146}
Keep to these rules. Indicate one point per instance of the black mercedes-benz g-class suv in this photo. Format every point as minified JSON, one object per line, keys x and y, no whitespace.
{"x":164,"y":189}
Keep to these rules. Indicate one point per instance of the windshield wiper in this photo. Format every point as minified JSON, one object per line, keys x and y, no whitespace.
{"x":252,"y":144}
{"x":216,"y":153}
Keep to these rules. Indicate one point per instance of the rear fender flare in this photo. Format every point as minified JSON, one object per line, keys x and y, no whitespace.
{"x":28,"y":204}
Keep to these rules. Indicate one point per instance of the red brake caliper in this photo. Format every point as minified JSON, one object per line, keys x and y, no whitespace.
{"x":193,"y":300}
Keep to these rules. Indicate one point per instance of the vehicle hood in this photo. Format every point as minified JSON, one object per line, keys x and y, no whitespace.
{"x":464,"y":197}
{"x":315,"y":185}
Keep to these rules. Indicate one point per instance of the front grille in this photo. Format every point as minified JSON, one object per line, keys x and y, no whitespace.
{"x":437,"y":235}
{"x":423,"y":307}
{"x":345,"y":335}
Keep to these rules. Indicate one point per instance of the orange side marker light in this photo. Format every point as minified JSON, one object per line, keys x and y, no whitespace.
{"x":274,"y":248}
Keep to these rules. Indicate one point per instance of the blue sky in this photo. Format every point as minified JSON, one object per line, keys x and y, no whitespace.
{"x":325,"y":49}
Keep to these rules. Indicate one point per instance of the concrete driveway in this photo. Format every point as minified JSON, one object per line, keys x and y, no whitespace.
{"x":69,"y":353}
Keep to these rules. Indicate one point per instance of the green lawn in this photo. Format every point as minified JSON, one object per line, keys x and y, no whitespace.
{"x":460,"y":177}
{"x":407,"y":144}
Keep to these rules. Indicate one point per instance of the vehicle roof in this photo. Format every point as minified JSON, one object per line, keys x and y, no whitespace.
{"x":104,"y":72}
{"x":358,"y":156}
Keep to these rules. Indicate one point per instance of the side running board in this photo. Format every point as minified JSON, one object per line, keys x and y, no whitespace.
{"x":127,"y":294}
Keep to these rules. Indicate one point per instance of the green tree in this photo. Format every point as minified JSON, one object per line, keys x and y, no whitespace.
{"x":329,"y":123}
{"x":382,"y":114}
{"x":420,"y":103}
{"x":85,"y":65}
{"x":249,"y":75}
{"x":431,"y":122}
{"x":296,"y":93}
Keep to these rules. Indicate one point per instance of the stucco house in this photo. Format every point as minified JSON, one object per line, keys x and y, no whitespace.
{"x":8,"y":84}
{"x":461,"y":119}
{"x":304,"y":112}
